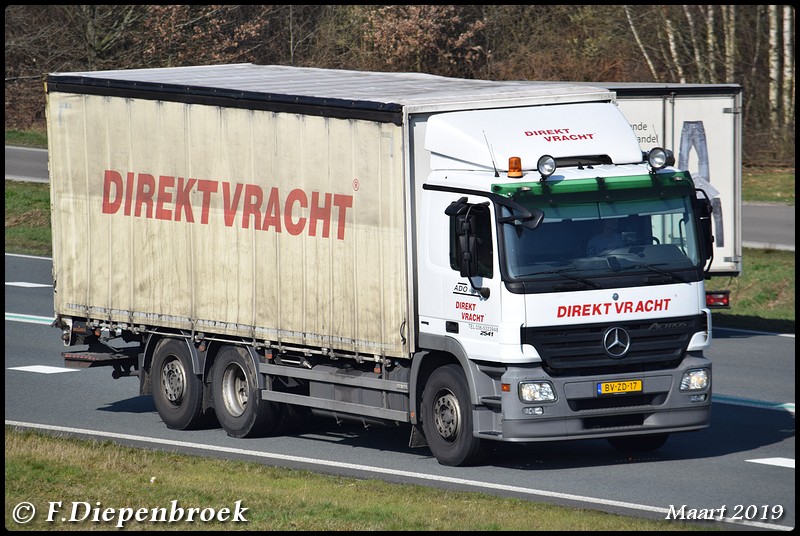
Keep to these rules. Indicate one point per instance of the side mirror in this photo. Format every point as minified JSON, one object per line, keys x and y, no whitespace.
{"x":704,"y":210}
{"x":469,"y":256}
{"x":468,"y":244}
{"x":456,"y":207}
{"x":465,"y":231}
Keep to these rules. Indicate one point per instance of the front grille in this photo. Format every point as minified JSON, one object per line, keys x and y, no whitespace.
{"x":616,"y":402}
{"x":578,"y":350}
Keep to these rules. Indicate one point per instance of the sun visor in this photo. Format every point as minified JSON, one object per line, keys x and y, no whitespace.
{"x":485,"y":139}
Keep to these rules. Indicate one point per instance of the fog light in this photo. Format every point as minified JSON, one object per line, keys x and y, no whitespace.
{"x":536,"y":392}
{"x":695,"y":379}
{"x":533,"y":411}
{"x":697,"y":398}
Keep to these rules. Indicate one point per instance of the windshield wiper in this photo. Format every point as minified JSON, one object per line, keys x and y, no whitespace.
{"x":650,"y":267}
{"x":564,"y":273}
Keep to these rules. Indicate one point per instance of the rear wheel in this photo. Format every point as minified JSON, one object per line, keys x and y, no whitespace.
{"x":643,"y":443}
{"x":177,"y":391}
{"x":237,"y":399}
{"x":447,"y":418}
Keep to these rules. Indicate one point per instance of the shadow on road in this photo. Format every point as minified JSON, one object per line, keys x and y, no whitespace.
{"x":724,"y":436}
{"x":750,"y":323}
{"x":137,"y":404}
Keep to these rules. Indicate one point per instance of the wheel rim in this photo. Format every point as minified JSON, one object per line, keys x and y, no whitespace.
{"x":234,"y":390}
{"x":447,"y":415}
{"x":173,"y":380}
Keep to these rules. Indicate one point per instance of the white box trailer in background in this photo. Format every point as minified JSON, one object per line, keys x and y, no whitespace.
{"x":702,"y":125}
{"x":481,"y":261}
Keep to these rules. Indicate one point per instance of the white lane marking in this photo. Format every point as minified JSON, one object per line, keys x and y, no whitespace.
{"x":29,"y":257}
{"x":780,"y":462}
{"x":379,"y":470}
{"x":25,"y":284}
{"x":42,"y":369}
{"x":31,"y":319}
{"x":789,"y":335}
{"x":722,"y":399}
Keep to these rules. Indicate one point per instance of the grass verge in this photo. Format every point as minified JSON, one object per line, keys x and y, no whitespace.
{"x":44,"y":469}
{"x":27,"y":213}
{"x":762,"y":296}
{"x":768,"y":185}
{"x":22,"y":138}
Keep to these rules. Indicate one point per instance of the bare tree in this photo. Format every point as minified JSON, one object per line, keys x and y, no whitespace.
{"x":640,"y":43}
{"x":672,"y":40}
{"x":707,"y":44}
{"x":729,"y":20}
{"x":101,"y":29}
{"x":774,"y":66}
{"x":788,"y":86}
{"x":57,"y":38}
{"x":702,"y":66}
{"x":561,"y":42}
{"x":424,"y":38}
{"x":198,"y":34}
{"x":711,"y":50}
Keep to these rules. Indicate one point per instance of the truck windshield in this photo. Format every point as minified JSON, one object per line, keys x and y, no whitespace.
{"x":639,"y":238}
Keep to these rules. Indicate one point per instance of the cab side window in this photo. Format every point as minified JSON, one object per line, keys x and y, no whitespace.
{"x":481,"y":222}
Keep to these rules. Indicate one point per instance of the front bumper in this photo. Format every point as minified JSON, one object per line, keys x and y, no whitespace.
{"x":580,"y":413}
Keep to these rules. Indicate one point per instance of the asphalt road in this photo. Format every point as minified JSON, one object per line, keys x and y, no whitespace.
{"x":768,"y":226}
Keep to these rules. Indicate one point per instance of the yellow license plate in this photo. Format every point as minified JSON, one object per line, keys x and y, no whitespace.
{"x":619,"y":388}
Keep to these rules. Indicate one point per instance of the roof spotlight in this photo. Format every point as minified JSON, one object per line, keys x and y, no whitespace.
{"x":546,"y":166}
{"x":659,"y":158}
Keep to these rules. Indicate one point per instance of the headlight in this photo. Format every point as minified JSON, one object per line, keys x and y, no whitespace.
{"x":695,"y":380}
{"x":536,"y":392}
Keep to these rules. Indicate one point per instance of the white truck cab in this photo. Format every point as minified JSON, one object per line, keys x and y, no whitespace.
{"x":511,"y":274}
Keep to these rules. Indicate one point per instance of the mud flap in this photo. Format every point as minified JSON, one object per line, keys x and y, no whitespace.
{"x":417,"y":438}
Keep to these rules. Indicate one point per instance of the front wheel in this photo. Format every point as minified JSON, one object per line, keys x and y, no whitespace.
{"x":237,"y":400}
{"x":447,"y":418}
{"x":177,"y":391}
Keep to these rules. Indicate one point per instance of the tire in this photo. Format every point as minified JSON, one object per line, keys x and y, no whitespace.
{"x":237,"y":399}
{"x":177,"y":391}
{"x":447,"y":418}
{"x":644,"y":443}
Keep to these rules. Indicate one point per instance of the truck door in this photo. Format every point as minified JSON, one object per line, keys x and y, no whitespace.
{"x":472,"y":305}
